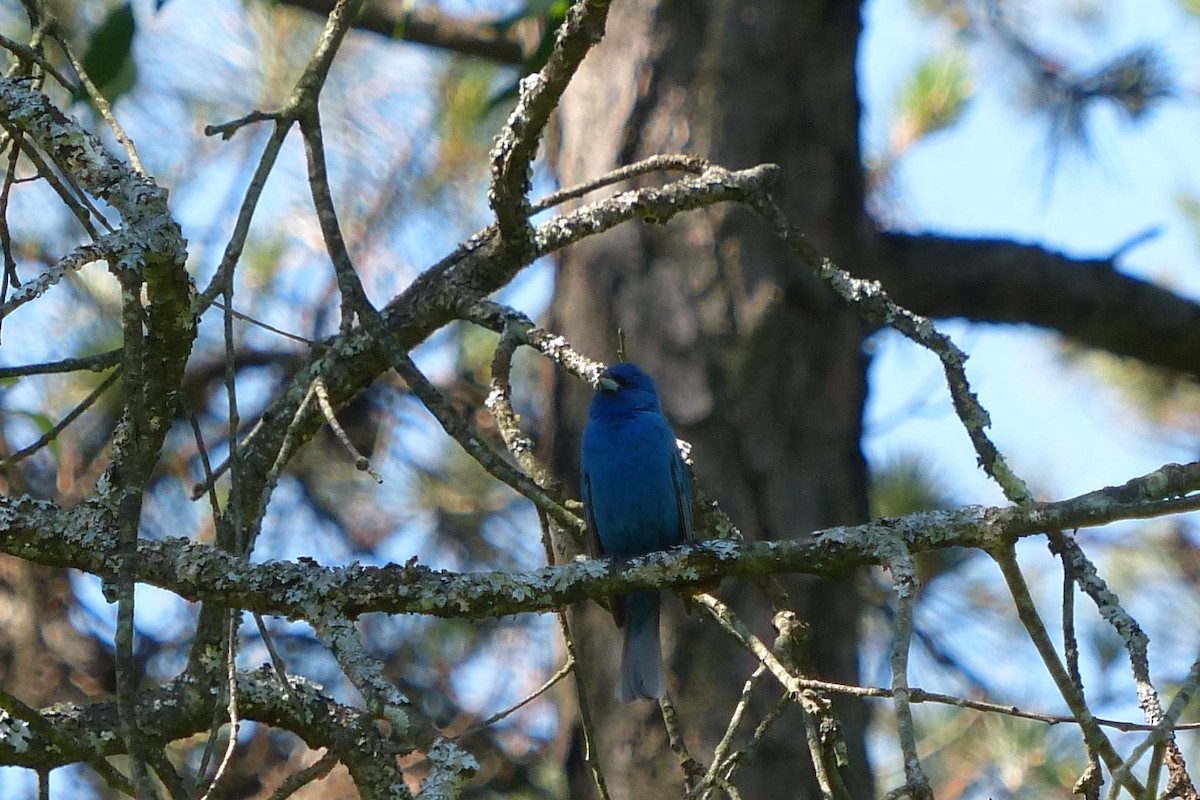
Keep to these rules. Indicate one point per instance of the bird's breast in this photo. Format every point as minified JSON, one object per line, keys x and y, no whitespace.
{"x":628,"y":464}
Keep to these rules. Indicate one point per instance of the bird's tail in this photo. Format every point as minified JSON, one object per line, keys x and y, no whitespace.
{"x":641,"y":656}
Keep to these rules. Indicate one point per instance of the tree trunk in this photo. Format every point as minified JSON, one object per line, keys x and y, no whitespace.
{"x":759,"y":367}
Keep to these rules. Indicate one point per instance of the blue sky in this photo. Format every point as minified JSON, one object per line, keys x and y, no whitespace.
{"x":1064,"y":431}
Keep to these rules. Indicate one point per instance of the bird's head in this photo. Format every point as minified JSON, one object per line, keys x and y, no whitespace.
{"x":625,"y":387}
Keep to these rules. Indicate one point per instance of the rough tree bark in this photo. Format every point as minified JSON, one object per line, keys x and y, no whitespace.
{"x":760,"y":368}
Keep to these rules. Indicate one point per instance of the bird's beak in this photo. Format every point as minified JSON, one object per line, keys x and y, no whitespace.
{"x":606,"y":384}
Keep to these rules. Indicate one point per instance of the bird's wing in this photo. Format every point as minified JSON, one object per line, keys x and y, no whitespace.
{"x":593,"y":533}
{"x":616,"y":605}
{"x":683,"y":497}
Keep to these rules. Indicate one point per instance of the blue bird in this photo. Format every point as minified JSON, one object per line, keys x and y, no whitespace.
{"x":637,"y":499}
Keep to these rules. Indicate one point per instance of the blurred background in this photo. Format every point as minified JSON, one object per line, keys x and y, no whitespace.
{"x":966,"y":130}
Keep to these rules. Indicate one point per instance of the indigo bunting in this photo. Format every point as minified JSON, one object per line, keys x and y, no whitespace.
{"x":636,"y":499}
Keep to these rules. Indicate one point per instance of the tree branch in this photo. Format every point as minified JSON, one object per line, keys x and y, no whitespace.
{"x":81,"y":538}
{"x":1089,"y":300}
{"x":452,"y":290}
{"x":183,"y":708}
{"x":537,"y":98}
{"x":398,"y":19}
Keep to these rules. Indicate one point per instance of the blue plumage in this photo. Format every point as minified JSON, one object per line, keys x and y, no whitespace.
{"x":637,"y":498}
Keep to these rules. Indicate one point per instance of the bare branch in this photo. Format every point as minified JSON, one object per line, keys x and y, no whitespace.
{"x":1071,"y":694}
{"x":182,"y":708}
{"x":870,"y":299}
{"x":907,"y":584}
{"x":429,"y":26}
{"x":52,"y":434}
{"x":79,"y":538}
{"x":512,"y":155}
{"x":1089,"y":300}
{"x":96,"y":363}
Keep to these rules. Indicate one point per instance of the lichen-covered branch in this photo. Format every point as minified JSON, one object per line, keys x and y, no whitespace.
{"x":870,"y":299}
{"x":77,"y":538}
{"x":147,"y":254}
{"x":1084,"y":573}
{"x":907,"y":584}
{"x":184,"y":707}
{"x":538,"y":95}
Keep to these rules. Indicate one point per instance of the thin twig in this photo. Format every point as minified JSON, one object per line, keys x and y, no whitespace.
{"x":265,"y":326}
{"x":478,"y":447}
{"x":562,"y":672}
{"x":590,"y":752}
{"x":27,"y":53}
{"x":721,"y":751}
{"x":277,"y":662}
{"x":870,"y":300}
{"x":99,"y":100}
{"x":231,"y":707}
{"x":360,"y":461}
{"x":1084,"y":573}
{"x":822,"y":731}
{"x":354,"y":296}
{"x":660,"y":163}
{"x":1154,"y":770}
{"x":797,"y":690}
{"x":812,"y":738}
{"x":96,"y":363}
{"x":219,"y":471}
{"x":904,"y":577}
{"x":1006,"y":559}
{"x":747,"y":753}
{"x":693,"y":770}
{"x":10,"y":263}
{"x":241,"y":540}
{"x":313,"y":772}
{"x":74,"y":414}
{"x":1071,"y":652}
{"x":286,"y":448}
{"x":226,"y":130}
{"x":241,"y":226}
{"x":1163,"y":730}
{"x":205,"y":464}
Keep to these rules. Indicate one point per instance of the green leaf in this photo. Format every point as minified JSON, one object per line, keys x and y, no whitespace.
{"x":108,"y":60}
{"x":935,"y":96}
